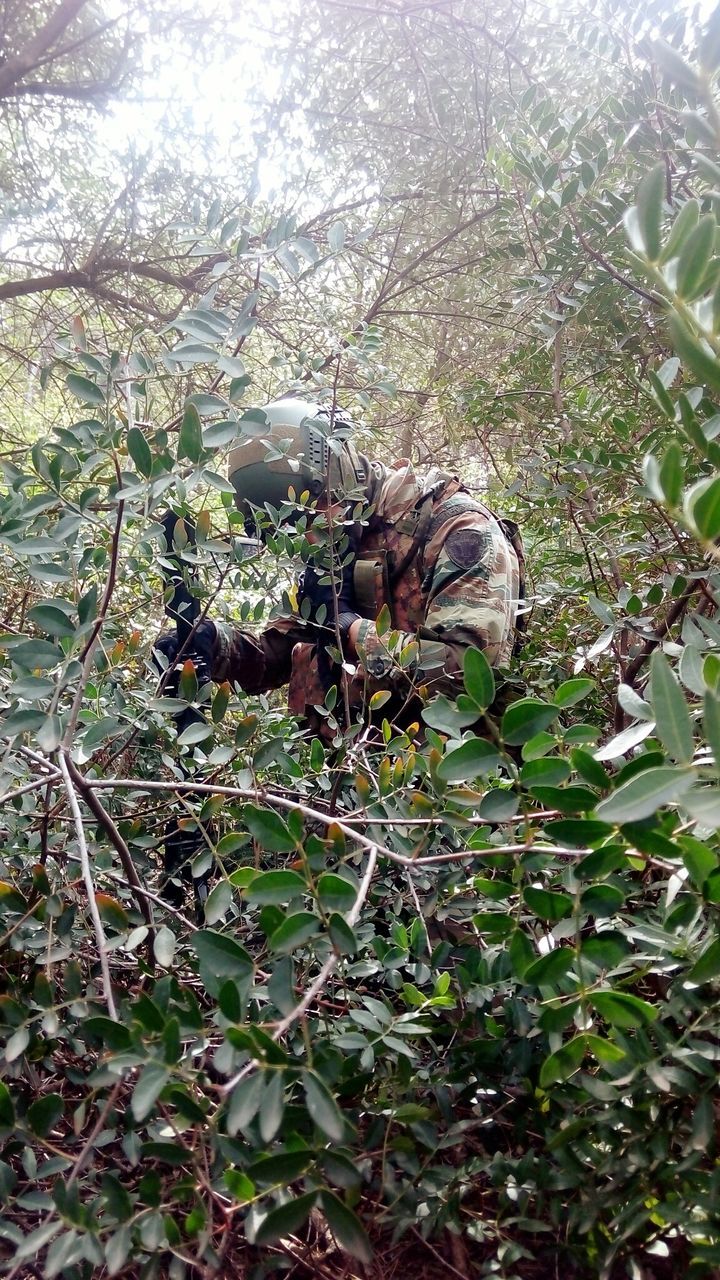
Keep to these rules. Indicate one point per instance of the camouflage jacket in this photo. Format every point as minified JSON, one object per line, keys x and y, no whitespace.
{"x":450,"y":575}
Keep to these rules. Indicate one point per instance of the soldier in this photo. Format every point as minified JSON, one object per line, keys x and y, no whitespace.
{"x":448,"y":570}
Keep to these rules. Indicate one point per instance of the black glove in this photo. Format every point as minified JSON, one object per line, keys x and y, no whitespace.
{"x":320,"y":594}
{"x":201,"y":649}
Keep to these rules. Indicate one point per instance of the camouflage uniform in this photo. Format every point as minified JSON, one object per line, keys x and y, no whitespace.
{"x":450,"y":574}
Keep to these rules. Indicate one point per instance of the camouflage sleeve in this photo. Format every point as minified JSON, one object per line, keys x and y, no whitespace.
{"x":256,"y":663}
{"x":472,"y":601}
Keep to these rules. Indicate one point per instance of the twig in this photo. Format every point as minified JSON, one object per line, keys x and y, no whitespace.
{"x":89,"y":886}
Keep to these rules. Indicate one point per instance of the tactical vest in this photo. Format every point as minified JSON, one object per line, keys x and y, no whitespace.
{"x":391,"y":570}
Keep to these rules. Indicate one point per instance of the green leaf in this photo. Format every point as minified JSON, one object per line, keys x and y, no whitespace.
{"x":711,"y":725}
{"x":577,"y":832}
{"x":605,"y":949}
{"x":275,"y":887}
{"x":44,"y":1113}
{"x":707,"y":966}
{"x":53,"y":618}
{"x":294,"y":931}
{"x":470,"y":760}
{"x":7,"y":1108}
{"x":693,"y":353}
{"x":285,"y":1219}
{"x":190,"y":444}
{"x":85,"y":390}
{"x":35,"y":653}
{"x":220,"y":956}
{"x":563,"y":1063}
{"x":603,"y":1050}
{"x":195,"y":733}
{"x":218,"y":902}
{"x":245,"y":1103}
{"x":650,"y":197}
{"x":478,"y":678}
{"x":446,"y":717}
{"x":272,"y":1107}
{"x":644,"y":794}
{"x":323,"y":1108}
{"x":548,"y":905}
{"x":671,"y":712}
{"x":703,"y":804}
{"x":572,"y":691}
{"x":687,"y":219}
{"x":282,"y":1169}
{"x":694,"y":258}
{"x":150,"y":1085}
{"x":524,"y":718}
{"x":220,"y":433}
{"x":139,"y":451}
{"x":164,"y":946}
{"x":702,"y":507}
{"x":551,"y":968}
{"x":346,"y":1227}
{"x":268,"y":829}
{"x":672,"y":472}
{"x":622,"y":1009}
{"x":336,"y":893}
{"x":699,"y":860}
{"x":342,"y":936}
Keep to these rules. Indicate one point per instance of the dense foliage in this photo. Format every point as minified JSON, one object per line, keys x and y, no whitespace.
{"x":452,"y":1000}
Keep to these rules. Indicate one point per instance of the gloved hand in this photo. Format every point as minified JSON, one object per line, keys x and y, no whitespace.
{"x":320,"y":594}
{"x":201,"y":649}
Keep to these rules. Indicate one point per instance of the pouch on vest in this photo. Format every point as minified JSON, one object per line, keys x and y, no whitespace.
{"x":370,"y":582}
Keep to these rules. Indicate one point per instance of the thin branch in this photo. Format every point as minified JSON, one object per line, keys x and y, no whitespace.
{"x":89,"y":886}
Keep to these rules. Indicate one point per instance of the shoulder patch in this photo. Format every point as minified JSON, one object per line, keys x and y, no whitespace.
{"x":467,"y":547}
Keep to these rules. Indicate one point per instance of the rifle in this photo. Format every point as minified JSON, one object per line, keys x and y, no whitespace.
{"x":183,"y":608}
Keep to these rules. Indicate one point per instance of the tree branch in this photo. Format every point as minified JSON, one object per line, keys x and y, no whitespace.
{"x":17,"y":67}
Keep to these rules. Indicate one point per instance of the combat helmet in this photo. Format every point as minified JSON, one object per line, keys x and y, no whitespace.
{"x":294,"y":453}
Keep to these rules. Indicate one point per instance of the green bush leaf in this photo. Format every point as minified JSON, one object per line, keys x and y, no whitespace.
{"x":707,"y":966}
{"x":7,"y":1108}
{"x":85,"y":390}
{"x":285,"y":1219}
{"x":524,"y":718}
{"x":323,"y":1108}
{"x":346,"y":1227}
{"x":694,"y":258}
{"x":563,"y":1063}
{"x":478,"y":678}
{"x":190,"y":444}
{"x":572,"y":691}
{"x":139,"y":451}
{"x":150,"y":1085}
{"x":336,"y":893}
{"x":275,"y":887}
{"x":551,"y":968}
{"x":644,"y":794}
{"x":650,"y":196}
{"x":294,"y":931}
{"x":694,"y":354}
{"x":548,"y":905}
{"x":470,"y":760}
{"x":44,"y":1113}
{"x":220,"y":956}
{"x":702,"y":507}
{"x":671,"y":713}
{"x":622,"y":1009}
{"x":268,"y":828}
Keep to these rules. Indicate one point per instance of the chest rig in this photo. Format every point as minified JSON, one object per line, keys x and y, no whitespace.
{"x":391,"y":566}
